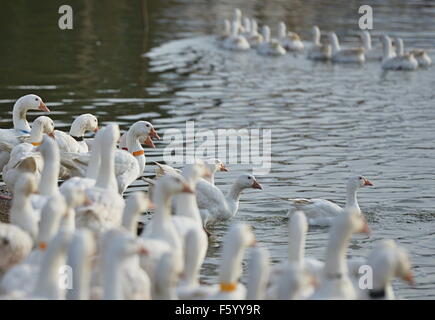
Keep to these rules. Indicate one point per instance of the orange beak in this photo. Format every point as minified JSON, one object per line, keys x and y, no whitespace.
{"x":143,"y":251}
{"x":88,"y":201}
{"x":151,"y":206}
{"x":187,"y":189}
{"x":96,"y":129}
{"x":51,"y":134}
{"x":256,"y":185}
{"x":43,"y":107}
{"x":223,"y":168}
{"x":153,"y":134}
{"x":409,"y":277}
{"x":148,"y":142}
{"x":367,"y":183}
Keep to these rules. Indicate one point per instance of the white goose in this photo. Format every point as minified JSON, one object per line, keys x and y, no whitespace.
{"x":254,"y":38}
{"x":81,"y":252}
{"x":370,"y":53}
{"x":22,"y":213}
{"x":166,"y":278}
{"x":21,"y":126}
{"x":387,"y":261}
{"x":238,"y":238}
{"x":161,"y":231}
{"x":129,"y":165}
{"x":226,"y":33}
{"x":317,"y":50}
{"x":336,"y":283}
{"x":348,"y":55}
{"x":420,"y":55}
{"x":107,"y":203}
{"x":23,"y":276}
{"x":75,"y":141}
{"x":235,"y":42}
{"x":137,"y":130}
{"x":309,"y":267}
{"x":258,"y":274}
{"x":212,"y":203}
{"x":401,"y":62}
{"x":290,"y":41}
{"x":23,"y":156}
{"x":269,"y":47}
{"x":321,"y":212}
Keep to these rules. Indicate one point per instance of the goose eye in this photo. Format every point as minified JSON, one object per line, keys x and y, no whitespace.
{"x":147,"y":125}
{"x":36,"y":99}
{"x":360,"y":178}
{"x":249,"y":178}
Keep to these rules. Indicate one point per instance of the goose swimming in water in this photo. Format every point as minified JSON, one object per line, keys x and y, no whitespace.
{"x":347,"y":55}
{"x":270,"y":47}
{"x":401,"y":62}
{"x":290,"y":41}
{"x":319,"y":51}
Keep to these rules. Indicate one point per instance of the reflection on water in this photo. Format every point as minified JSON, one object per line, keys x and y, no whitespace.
{"x":328,"y":121}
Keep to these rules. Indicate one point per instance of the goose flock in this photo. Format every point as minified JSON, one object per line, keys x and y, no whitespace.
{"x":88,"y":230}
{"x":241,"y":34}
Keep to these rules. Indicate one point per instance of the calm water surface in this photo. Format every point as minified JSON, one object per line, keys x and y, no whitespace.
{"x":328,"y":121}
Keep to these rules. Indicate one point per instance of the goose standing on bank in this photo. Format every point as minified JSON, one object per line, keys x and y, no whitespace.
{"x":269,"y":47}
{"x":348,"y":55}
{"x":290,"y":41}
{"x":400,"y":62}
{"x":321,"y":212}
{"x":21,"y":126}
{"x":75,"y":140}
{"x":317,"y":50}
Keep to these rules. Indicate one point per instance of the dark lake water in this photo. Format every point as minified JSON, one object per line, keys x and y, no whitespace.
{"x":157,"y":61}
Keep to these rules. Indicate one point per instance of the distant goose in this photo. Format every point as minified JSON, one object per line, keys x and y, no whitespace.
{"x":226,"y":32}
{"x":290,"y":41}
{"x":254,"y":37}
{"x":319,"y":51}
{"x":420,"y":55}
{"x":370,"y":53}
{"x":321,"y":211}
{"x":348,"y":55}
{"x":269,"y":46}
{"x":235,"y":42}
{"x":401,"y":62}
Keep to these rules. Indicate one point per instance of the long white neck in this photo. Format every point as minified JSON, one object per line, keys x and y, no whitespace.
{"x":339,"y":238}
{"x":351,"y":198}
{"x":192,"y":258}
{"x":231,"y":265}
{"x":81,"y":270}
{"x":185,"y":203}
{"x":234,"y":29}
{"x":50,"y":172}
{"x":48,"y":279}
{"x":258,"y":274}
{"x":334,"y":42}
{"x":19,"y":113}
{"x":282,"y":30}
{"x":387,"y":48}
{"x":367,"y":41}
{"x":316,"y":36}
{"x":22,"y":215}
{"x":266,"y":34}
{"x":106,"y":175}
{"x":130,"y":217}
{"x":399,"y":47}
{"x":94,"y":160}
{"x":254,"y":28}
{"x":133,"y":145}
{"x":36,"y":133}
{"x":296,"y":243}
{"x":233,"y":196}
{"x":112,"y":286}
{"x":162,"y":213}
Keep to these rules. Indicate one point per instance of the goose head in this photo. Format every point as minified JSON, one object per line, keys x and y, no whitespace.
{"x":173,"y":184}
{"x":145,"y":130}
{"x":193,"y":172}
{"x":246,"y":181}
{"x":31,"y":102}
{"x":43,"y":125}
{"x":247,"y":24}
{"x":216,"y":165}
{"x":237,"y":15}
{"x":83,"y":123}
{"x":356,"y":182}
